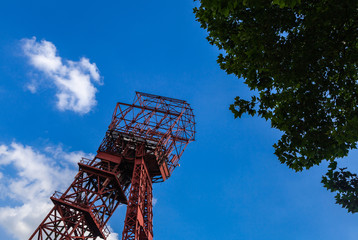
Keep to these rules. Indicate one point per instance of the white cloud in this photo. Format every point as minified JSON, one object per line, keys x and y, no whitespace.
{"x":112,"y":236}
{"x":37,"y":176}
{"x":31,"y":87}
{"x":73,"y":80}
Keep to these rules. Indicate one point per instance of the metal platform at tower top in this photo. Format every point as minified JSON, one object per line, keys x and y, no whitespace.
{"x":166,"y":125}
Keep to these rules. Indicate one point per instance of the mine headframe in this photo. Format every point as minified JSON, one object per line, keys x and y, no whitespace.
{"x":142,"y":145}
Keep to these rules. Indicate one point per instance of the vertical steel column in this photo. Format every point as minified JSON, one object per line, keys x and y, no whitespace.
{"x":138,"y":224}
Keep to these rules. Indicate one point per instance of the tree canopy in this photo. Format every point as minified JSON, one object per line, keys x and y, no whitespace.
{"x":300,"y":58}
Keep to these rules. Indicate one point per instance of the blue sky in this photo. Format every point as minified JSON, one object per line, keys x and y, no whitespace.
{"x":229,"y":186}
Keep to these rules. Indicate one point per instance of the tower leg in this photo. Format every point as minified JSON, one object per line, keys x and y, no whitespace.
{"x":83,"y":210}
{"x":138,"y":224}
{"x":58,"y":226}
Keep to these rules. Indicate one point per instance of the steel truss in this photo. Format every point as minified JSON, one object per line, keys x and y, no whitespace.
{"x":142,"y":146}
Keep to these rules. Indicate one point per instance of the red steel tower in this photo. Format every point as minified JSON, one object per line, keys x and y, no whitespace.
{"x":142,"y":146}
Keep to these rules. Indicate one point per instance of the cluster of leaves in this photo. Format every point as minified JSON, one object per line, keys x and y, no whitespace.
{"x":345,"y":184}
{"x":300,"y":56}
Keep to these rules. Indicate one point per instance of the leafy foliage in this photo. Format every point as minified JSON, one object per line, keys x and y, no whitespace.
{"x":301,"y":57}
{"x":345,"y":183}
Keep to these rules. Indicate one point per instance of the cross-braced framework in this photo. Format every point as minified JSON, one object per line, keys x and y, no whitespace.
{"x":139,"y":211}
{"x":143,"y":145}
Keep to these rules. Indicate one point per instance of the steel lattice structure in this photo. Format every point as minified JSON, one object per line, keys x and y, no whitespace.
{"x":143,"y":145}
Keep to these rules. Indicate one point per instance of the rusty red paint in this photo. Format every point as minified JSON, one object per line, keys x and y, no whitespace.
{"x":143,"y":145}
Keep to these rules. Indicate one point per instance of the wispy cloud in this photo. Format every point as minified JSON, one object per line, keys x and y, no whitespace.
{"x":112,"y":236}
{"x":74,"y":80}
{"x":35,"y":175}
